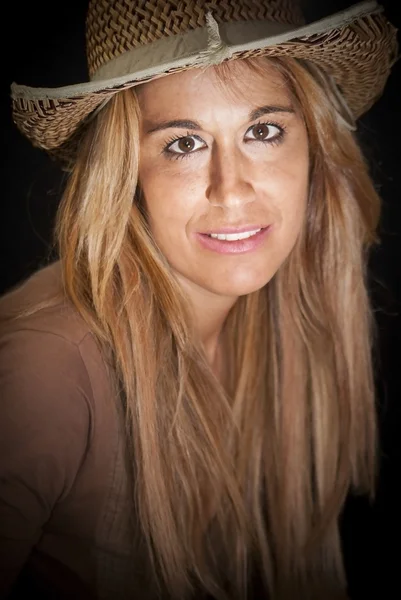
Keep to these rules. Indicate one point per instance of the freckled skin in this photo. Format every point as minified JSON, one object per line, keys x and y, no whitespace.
{"x":229,"y":178}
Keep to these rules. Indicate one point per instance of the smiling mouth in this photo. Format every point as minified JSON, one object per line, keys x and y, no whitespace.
{"x":235,"y":236}
{"x":234,"y":241}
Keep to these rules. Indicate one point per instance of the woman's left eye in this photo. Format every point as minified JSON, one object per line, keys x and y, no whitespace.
{"x":266,"y":132}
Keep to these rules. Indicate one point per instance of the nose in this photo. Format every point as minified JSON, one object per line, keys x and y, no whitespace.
{"x":230,"y":182}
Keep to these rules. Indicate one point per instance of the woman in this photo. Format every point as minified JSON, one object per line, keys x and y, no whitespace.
{"x":187,"y":394}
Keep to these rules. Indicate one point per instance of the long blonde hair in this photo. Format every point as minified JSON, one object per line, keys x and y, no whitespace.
{"x":251,"y":474}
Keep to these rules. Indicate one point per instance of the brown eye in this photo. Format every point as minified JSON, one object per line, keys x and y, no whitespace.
{"x":186,"y":144}
{"x":261,"y":131}
{"x":265,"y":132}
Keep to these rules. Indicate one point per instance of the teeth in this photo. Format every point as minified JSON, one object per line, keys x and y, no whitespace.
{"x":232,"y":237}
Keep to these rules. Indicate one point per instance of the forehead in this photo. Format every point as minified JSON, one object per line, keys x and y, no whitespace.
{"x":235,"y":84}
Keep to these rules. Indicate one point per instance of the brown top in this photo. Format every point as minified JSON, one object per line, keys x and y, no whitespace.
{"x":64,"y":527}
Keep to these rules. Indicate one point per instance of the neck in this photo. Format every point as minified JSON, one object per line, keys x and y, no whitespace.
{"x":210,"y":312}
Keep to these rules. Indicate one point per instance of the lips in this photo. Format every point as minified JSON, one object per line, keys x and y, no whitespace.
{"x":235,"y":229}
{"x":210,"y":241}
{"x":234,"y":237}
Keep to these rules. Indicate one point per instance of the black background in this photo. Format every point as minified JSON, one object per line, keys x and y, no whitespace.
{"x":43,"y":45}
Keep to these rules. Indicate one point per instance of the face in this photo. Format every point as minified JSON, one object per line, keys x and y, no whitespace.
{"x":224,"y":172}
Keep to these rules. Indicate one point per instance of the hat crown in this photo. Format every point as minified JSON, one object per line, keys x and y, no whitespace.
{"x":117,"y":26}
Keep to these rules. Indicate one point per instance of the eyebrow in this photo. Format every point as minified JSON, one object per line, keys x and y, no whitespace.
{"x":257,"y":113}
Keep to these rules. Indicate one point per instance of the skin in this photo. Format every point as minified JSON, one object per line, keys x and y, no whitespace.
{"x":227,"y":177}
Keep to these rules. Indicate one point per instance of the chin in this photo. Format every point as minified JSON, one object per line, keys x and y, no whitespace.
{"x":241,"y":285}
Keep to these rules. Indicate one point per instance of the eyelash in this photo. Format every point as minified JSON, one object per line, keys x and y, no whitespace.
{"x":277,"y":139}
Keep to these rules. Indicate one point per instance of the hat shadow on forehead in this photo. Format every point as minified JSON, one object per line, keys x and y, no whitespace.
{"x":130,"y":42}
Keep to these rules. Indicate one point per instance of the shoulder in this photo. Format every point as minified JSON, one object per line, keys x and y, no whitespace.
{"x":55,"y":387}
{"x":39,"y":304}
{"x":42,"y":370}
{"x":46,"y":345}
{"x":50,"y":361}
{"x":45,"y":350}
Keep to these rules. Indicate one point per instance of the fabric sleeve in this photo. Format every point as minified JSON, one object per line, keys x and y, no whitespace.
{"x":44,"y":436}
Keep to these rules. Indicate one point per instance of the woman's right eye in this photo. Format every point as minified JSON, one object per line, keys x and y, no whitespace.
{"x":183,"y":146}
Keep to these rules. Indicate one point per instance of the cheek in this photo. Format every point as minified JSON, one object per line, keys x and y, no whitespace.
{"x":290,"y":193}
{"x":294,"y":200}
{"x":171,"y":203}
{"x":289,"y":187}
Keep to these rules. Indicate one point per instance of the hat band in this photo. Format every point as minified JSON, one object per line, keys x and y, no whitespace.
{"x":201,"y":46}
{"x":212,"y":44}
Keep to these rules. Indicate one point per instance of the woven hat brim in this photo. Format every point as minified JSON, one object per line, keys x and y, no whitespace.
{"x":357,"y":46}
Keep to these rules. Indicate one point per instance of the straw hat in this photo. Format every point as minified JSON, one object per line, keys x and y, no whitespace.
{"x":132,"y":41}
